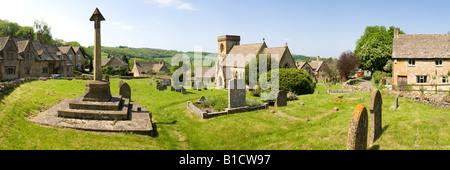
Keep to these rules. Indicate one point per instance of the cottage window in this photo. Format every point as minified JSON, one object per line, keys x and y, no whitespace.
{"x":43,"y":57}
{"x":438,"y":62}
{"x":45,"y":70}
{"x":10,"y":70}
{"x":421,"y":79}
{"x":27,"y":71}
{"x":116,"y":67}
{"x":79,"y":57}
{"x":79,"y":65}
{"x":411,"y":62}
{"x":444,"y":79}
{"x":70,"y":56}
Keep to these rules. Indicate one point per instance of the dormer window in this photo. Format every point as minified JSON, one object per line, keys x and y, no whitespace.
{"x":43,"y":57}
{"x":70,"y":57}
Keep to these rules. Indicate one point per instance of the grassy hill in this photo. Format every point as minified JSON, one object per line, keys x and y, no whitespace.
{"x":424,"y":127}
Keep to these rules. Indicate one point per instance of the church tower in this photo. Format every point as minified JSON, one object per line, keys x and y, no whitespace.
{"x":226,"y":43}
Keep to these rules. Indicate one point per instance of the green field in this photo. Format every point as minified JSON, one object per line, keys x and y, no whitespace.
{"x":412,"y":126}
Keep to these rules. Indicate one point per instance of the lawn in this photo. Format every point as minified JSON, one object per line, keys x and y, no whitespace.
{"x":412,"y":126}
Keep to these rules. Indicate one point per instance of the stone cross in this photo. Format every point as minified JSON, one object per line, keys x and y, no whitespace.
{"x":236,"y":96}
{"x":357,"y":133}
{"x":376,"y":103}
{"x":125,"y":91}
{"x":281,"y":99}
{"x":97,"y":17}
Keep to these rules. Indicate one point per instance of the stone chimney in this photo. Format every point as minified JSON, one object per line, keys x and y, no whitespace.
{"x":318,"y":58}
{"x":30,"y":36}
{"x":38,"y":36}
{"x":396,"y":32}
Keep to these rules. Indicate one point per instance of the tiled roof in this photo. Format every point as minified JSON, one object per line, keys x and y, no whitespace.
{"x":421,"y":46}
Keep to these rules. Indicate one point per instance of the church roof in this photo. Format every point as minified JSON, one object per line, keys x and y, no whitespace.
{"x":247,"y":49}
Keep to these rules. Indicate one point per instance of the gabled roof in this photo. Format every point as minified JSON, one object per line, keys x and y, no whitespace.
{"x":421,"y":46}
{"x":66,"y":49}
{"x":146,"y":67}
{"x":247,"y":49}
{"x":21,"y":44}
{"x":301,"y":65}
{"x":53,"y":51}
{"x":275,"y":50}
{"x":3,"y":41}
{"x":115,"y":59}
{"x":316,"y":65}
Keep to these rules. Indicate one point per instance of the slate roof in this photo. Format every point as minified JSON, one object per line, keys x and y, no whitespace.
{"x":275,"y":50}
{"x":315,"y":65}
{"x":65,"y":49}
{"x":300,"y":65}
{"x":3,"y":41}
{"x":421,"y":46}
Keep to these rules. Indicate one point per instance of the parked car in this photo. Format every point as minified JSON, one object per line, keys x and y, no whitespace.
{"x":116,"y":75}
{"x":57,"y":75}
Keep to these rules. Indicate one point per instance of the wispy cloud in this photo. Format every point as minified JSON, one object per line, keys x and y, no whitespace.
{"x":174,"y":3}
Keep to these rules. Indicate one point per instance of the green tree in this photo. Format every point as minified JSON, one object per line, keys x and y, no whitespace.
{"x":73,"y":44}
{"x":8,"y":28}
{"x":255,"y":63}
{"x":45,"y":30}
{"x":374,"y":48}
{"x":23,"y":32}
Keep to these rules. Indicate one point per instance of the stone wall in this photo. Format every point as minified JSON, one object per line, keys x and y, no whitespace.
{"x":9,"y":85}
{"x":205,"y":115}
{"x":440,"y":100}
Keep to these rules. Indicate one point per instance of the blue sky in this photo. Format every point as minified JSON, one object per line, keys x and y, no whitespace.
{"x":310,"y":27}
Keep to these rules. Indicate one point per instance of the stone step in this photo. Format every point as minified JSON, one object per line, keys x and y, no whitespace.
{"x":122,"y":114}
{"x":114,"y":104}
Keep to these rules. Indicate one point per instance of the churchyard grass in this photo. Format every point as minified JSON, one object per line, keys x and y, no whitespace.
{"x":411,"y":126}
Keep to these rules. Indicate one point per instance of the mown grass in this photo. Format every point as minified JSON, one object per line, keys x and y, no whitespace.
{"x":412,"y":126}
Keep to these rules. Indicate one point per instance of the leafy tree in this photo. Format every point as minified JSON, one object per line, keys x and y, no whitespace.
{"x":374,"y":48}
{"x":331,"y":69}
{"x":8,"y":28}
{"x":23,"y":32}
{"x":388,"y":66}
{"x":347,"y":62}
{"x":255,"y":63}
{"x":73,"y":44}
{"x":294,"y":80}
{"x":125,"y":58}
{"x":45,"y":30}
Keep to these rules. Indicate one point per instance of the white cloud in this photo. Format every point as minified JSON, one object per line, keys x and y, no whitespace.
{"x":122,"y":26}
{"x":174,"y":3}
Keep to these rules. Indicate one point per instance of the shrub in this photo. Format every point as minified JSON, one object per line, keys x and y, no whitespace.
{"x":297,"y":81}
{"x":378,"y":75}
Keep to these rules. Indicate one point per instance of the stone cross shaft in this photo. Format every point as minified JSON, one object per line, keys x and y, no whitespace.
{"x":97,"y":17}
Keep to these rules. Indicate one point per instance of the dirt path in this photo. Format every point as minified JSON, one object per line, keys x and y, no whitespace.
{"x":366,"y":83}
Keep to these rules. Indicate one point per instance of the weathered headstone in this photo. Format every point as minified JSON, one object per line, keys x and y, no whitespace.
{"x":150,"y":84}
{"x":183,"y":90}
{"x":205,"y":87}
{"x":153,"y":78}
{"x":396,"y":102}
{"x":120,"y":83}
{"x":281,"y":100}
{"x":236,"y":94}
{"x":376,"y":102}
{"x":202,"y":99}
{"x":107,"y":78}
{"x":357,"y":133}
{"x":125,"y":91}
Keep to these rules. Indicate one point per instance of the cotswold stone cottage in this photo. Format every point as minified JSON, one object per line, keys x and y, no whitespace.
{"x":142,"y":69}
{"x":229,"y":45}
{"x":421,"y":61}
{"x":21,"y":58}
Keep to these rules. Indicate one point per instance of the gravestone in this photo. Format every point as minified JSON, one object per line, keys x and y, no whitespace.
{"x":125,"y":91}
{"x":357,"y":133}
{"x":281,"y":100}
{"x":150,"y":84}
{"x":236,"y":95}
{"x":376,"y":102}
{"x":206,"y":88}
{"x":107,"y":78}
{"x":120,"y":83}
{"x":153,"y":78}
{"x":395,"y":106}
{"x":183,"y":90}
{"x":202,"y":99}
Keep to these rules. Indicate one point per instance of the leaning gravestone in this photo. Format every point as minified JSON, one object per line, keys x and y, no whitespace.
{"x":357,"y":133}
{"x":150,"y":84}
{"x":376,"y":102}
{"x":236,"y":95}
{"x":202,"y":99}
{"x":206,"y":88}
{"x":281,"y":100}
{"x":153,"y":78}
{"x":183,"y":90}
{"x":107,"y":78}
{"x":125,"y":91}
